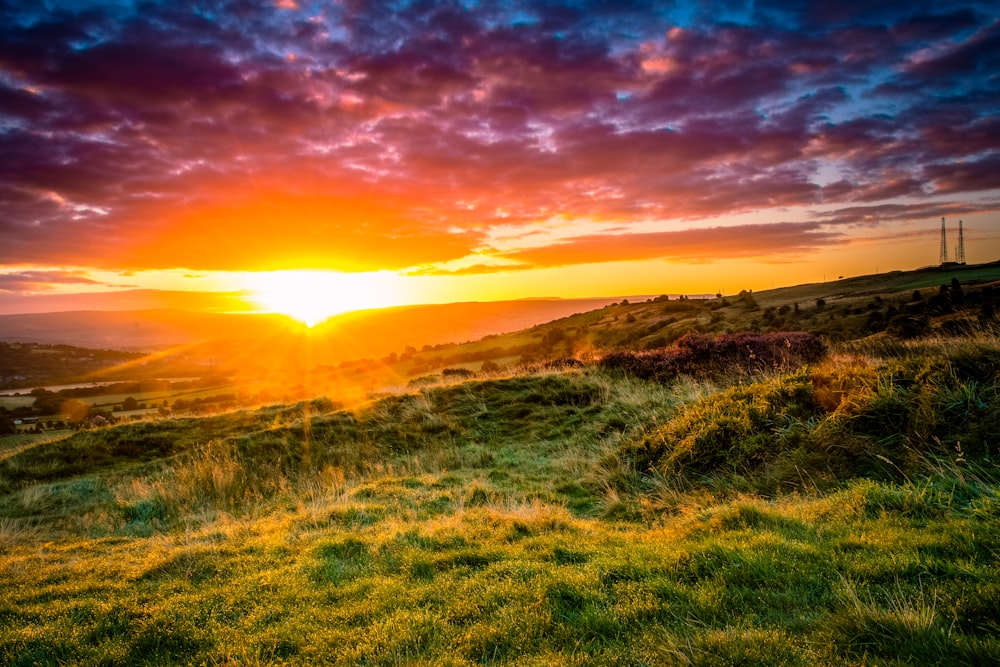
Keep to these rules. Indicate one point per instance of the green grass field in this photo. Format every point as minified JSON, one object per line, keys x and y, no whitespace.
{"x":984,"y":274}
{"x":11,"y":402}
{"x":845,"y":513}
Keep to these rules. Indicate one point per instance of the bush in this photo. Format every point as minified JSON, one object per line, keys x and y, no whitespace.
{"x":697,"y":354}
{"x":838,"y":422}
{"x":736,"y":431}
{"x":907,"y":326}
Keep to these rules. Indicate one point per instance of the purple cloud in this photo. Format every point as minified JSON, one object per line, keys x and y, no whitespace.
{"x":133,"y":135}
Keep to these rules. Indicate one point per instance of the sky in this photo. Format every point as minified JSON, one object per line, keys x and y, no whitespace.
{"x":375,"y":153}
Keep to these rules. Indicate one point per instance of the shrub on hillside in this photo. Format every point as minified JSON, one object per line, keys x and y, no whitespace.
{"x":840,"y":421}
{"x":697,"y":354}
{"x":739,"y":430}
{"x":907,"y":326}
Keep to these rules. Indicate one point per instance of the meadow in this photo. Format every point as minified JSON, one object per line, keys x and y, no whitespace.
{"x":835,"y":506}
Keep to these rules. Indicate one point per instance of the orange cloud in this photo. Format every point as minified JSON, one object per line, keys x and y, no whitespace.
{"x":266,"y":231}
{"x":165,"y":138}
{"x":706,"y":244}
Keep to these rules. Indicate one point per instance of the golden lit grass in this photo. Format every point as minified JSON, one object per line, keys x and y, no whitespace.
{"x":357,"y":577}
{"x":13,"y":445}
{"x":475,"y":524}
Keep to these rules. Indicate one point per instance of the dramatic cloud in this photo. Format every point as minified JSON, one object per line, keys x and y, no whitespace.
{"x":364,"y":135}
{"x":695,"y":244}
{"x":41,"y":281}
{"x":876,"y":215}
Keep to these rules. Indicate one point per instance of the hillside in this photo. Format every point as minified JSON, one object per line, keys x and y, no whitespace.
{"x":504,"y":333}
{"x":950,"y":301}
{"x":575,"y":517}
{"x":267,"y":358}
{"x":734,"y":498}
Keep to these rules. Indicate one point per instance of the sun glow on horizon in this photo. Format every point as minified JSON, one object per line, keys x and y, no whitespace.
{"x":314,"y":296}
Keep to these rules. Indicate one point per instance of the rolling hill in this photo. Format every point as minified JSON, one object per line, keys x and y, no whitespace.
{"x":378,"y":332}
{"x":735,"y":498}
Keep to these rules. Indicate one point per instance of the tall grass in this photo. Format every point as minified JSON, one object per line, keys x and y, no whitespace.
{"x":849,"y":416}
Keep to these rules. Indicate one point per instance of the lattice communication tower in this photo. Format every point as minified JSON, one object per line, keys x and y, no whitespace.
{"x":960,"y":251}
{"x":944,"y":244}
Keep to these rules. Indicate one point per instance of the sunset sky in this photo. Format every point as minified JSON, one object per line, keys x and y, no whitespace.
{"x":412,"y":152}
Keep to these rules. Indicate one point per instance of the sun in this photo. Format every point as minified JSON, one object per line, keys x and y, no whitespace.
{"x":313,"y":296}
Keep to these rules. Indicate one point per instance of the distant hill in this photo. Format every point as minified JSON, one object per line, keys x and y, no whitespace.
{"x":368,"y":333}
{"x":142,"y":330}
{"x":122,"y":300}
{"x":391,"y":346}
{"x":360,"y":352}
{"x":839,"y":310}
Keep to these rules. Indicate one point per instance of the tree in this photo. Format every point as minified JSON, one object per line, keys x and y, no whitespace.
{"x":130,"y":404}
{"x":46,"y":402}
{"x":957,"y":295}
{"x":746,"y":299}
{"x":905,"y":326}
{"x":76,"y":410}
{"x":553,"y":337}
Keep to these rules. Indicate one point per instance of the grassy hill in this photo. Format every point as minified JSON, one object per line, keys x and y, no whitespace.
{"x":839,"y":310}
{"x":353,"y":354}
{"x":741,"y":498}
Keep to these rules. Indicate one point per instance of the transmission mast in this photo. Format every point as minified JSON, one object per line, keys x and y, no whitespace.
{"x":944,"y":244}
{"x":960,"y":252}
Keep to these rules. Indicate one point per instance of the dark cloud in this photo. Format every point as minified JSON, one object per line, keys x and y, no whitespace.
{"x":911,"y":14}
{"x":972,"y":176}
{"x":934,"y":26}
{"x":884,"y":213}
{"x":364,"y":134}
{"x":977,"y":55}
{"x":41,"y":281}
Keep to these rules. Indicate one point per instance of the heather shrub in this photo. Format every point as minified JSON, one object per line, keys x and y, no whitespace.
{"x":698,"y":354}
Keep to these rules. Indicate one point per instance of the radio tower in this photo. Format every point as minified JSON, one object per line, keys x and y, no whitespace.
{"x":944,"y":244}
{"x":960,"y":252}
